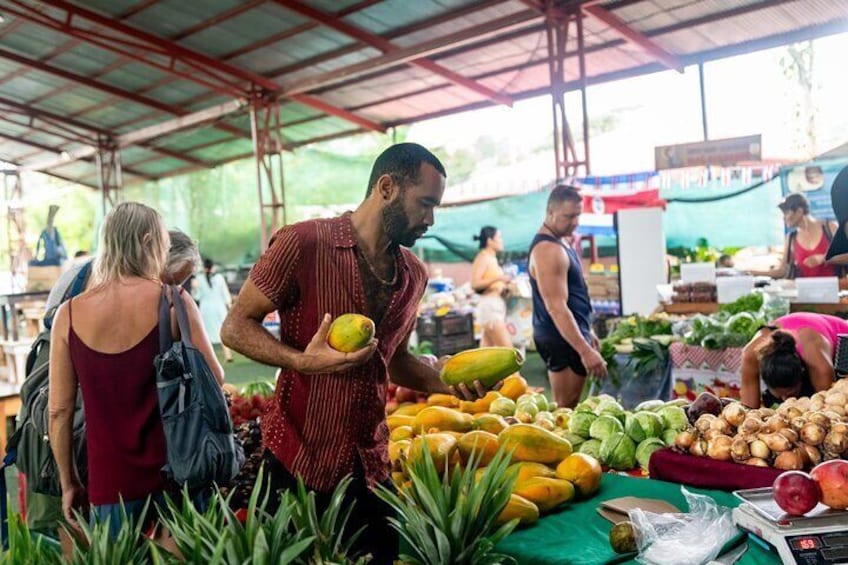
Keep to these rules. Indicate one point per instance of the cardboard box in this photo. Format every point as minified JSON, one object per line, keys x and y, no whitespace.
{"x":42,"y":278}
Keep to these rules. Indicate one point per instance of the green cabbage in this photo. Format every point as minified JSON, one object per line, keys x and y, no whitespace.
{"x":674,"y":418}
{"x":575,"y":440}
{"x":580,"y":423}
{"x":652,"y":424}
{"x":645,"y":449}
{"x":591,"y":447}
{"x":669,"y":437}
{"x":633,"y":428}
{"x":604,"y":426}
{"x":649,"y":405}
{"x":611,"y":408}
{"x":618,"y":452}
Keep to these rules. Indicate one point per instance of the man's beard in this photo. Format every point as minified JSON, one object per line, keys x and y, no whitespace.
{"x":396,"y":224}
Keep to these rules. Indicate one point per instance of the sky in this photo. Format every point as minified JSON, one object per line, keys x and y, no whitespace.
{"x":745,"y":95}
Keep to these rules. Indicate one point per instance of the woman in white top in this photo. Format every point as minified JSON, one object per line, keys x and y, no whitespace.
{"x":489,"y":280}
{"x":214,"y":300}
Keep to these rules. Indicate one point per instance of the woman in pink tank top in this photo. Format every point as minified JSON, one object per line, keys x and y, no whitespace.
{"x":794,"y":358}
{"x":104,"y":342}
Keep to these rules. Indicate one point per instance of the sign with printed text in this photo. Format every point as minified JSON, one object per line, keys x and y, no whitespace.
{"x":719,"y":152}
{"x":813,"y":180}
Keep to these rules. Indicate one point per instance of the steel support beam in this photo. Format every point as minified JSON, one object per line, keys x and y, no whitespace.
{"x":703,"y":100}
{"x":19,"y":253}
{"x":270,"y":182}
{"x":635,"y":37}
{"x":567,"y":163}
{"x":387,"y":46}
{"x":109,"y":179}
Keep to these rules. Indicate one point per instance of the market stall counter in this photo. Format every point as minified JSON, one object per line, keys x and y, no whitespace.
{"x":579,"y":535}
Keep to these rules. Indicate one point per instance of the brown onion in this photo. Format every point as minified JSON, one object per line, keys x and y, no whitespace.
{"x":829,"y":455}
{"x":703,"y":422}
{"x":684,"y":440}
{"x":722,"y":426}
{"x":776,"y":423}
{"x":794,"y":412}
{"x":767,"y":413}
{"x":839,"y":427}
{"x":755,"y":413}
{"x":757,"y":462}
{"x":789,"y":461}
{"x":819,"y":418}
{"x":839,"y":410}
{"x":812,"y":434}
{"x":798,"y":423}
{"x":789,"y":434}
{"x":835,"y":442}
{"x":759,"y":449}
{"x":776,"y":442}
{"x":734,"y":414}
{"x":739,"y":450}
{"x":813,"y":454}
{"x":710,"y":434}
{"x":803,"y":404}
{"x":699,"y":448}
{"x":719,"y":448}
{"x":836,"y":397}
{"x":816,"y":404}
{"x":832,"y":415}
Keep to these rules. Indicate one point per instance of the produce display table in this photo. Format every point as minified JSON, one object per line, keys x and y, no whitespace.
{"x":580,"y":536}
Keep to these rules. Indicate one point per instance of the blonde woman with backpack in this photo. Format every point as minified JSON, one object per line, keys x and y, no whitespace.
{"x":105,"y":341}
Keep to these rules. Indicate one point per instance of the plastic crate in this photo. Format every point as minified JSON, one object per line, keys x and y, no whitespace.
{"x":437,"y":326}
{"x":452,"y":344}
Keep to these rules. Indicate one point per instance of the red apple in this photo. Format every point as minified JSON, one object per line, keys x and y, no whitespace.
{"x":403,"y":394}
{"x":832,"y":477}
{"x":796,"y":492}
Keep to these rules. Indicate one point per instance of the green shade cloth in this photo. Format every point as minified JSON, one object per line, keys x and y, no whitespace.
{"x":578,"y":535}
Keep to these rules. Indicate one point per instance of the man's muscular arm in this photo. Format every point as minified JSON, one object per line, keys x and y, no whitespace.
{"x":243,"y":331}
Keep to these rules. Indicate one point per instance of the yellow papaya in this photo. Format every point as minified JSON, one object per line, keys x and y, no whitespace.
{"x":545,"y":492}
{"x":486,"y":364}
{"x":443,"y":419}
{"x":401,"y":432}
{"x":519,"y":508}
{"x":583,"y":471}
{"x":445,"y":400}
{"x":529,"y":442}
{"x":441,"y":446}
{"x":398,"y":449}
{"x":514,"y":386}
{"x":350,"y":332}
{"x":394,"y":421}
{"x":528,"y":469}
{"x":479,"y":405}
{"x":478,"y":441}
{"x":491,"y":423}
{"x":410,"y":409}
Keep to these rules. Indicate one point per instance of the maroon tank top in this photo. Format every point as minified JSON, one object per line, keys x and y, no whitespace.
{"x":125,"y":441}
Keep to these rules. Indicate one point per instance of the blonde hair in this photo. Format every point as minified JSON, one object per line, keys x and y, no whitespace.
{"x":133,"y":243}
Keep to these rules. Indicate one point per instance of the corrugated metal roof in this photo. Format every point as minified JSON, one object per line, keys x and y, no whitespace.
{"x":95,"y":82}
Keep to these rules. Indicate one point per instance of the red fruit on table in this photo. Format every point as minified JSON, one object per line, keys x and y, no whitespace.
{"x":796,"y":492}
{"x":832,"y":477}
{"x":404,"y":394}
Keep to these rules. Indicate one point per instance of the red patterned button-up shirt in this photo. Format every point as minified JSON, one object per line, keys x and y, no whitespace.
{"x":318,"y":423}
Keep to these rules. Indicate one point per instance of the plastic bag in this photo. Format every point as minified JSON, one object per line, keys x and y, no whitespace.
{"x":694,"y":538}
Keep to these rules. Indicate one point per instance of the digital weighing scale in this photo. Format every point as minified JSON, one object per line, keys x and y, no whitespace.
{"x":819,"y":537}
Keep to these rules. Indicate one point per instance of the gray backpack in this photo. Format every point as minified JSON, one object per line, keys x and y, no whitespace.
{"x":201,"y":447}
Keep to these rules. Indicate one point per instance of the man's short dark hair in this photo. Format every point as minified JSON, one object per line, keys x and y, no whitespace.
{"x":403,"y":162}
{"x":564,"y":193}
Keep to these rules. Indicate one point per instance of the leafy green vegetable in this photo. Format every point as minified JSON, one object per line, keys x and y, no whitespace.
{"x":748,"y":303}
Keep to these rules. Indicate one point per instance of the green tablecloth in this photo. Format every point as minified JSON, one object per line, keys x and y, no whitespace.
{"x":578,"y":535}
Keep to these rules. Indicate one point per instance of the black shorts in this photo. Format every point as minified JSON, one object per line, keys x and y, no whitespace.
{"x":558,"y":355}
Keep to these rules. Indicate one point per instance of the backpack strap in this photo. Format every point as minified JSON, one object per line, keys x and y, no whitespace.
{"x":76,"y":288}
{"x":166,"y":339}
{"x":791,"y":267}
{"x":182,"y":316}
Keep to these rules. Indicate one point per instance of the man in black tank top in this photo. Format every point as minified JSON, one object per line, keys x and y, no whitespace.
{"x":561,"y":305}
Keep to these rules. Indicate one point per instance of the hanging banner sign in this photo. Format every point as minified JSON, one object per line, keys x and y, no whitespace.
{"x":719,"y":152}
{"x":607,"y":203}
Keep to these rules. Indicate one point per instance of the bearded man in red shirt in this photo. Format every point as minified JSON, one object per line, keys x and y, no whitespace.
{"x":327,"y":420}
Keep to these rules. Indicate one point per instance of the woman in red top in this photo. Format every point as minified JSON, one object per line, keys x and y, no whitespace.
{"x":806,"y":246}
{"x":105,"y":341}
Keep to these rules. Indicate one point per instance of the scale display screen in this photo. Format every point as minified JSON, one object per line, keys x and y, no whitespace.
{"x":819,"y":549}
{"x":806,"y":544}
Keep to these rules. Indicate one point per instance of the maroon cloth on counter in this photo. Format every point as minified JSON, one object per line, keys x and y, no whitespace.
{"x":703,"y":472}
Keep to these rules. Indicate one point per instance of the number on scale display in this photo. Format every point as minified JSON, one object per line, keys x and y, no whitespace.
{"x":806,"y":544}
